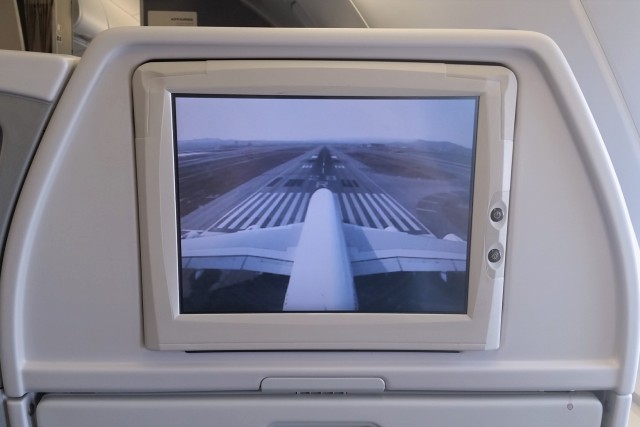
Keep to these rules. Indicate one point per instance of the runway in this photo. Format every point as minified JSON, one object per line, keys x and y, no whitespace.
{"x":268,"y":187}
{"x":274,"y":209}
{"x":279,"y":195}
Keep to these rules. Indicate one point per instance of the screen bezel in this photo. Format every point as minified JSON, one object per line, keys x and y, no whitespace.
{"x":154,"y":85}
{"x":273,"y":102}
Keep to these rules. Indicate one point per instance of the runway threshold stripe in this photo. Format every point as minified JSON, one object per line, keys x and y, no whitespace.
{"x":276,"y":216}
{"x":287,"y":216}
{"x":355,"y":203}
{"x":397,"y":222}
{"x":261,"y":208}
{"x":382,"y":214}
{"x":402,"y":212}
{"x":336,"y":200}
{"x":275,"y":209}
{"x":350,"y":217}
{"x":272,"y":206}
{"x":370,"y":211}
{"x":229,"y":216}
{"x":303,"y":208}
{"x":250,"y":208}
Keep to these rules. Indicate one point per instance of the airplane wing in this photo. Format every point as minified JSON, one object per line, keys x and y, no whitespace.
{"x":370,"y":250}
{"x":373,"y":251}
{"x":322,"y":255}
{"x":267,"y":250}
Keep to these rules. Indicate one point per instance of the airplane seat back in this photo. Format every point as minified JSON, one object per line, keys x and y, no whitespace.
{"x":27,"y":99}
{"x":73,"y":348}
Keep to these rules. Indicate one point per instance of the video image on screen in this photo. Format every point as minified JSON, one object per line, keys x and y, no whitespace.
{"x":316,"y":204}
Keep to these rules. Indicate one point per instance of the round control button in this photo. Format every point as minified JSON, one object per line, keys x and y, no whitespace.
{"x":494,"y":255}
{"x":497,"y":214}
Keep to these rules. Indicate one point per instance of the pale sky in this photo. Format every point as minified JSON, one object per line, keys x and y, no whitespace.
{"x":305,"y":119}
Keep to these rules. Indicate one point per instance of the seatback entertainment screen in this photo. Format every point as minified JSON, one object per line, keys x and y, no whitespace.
{"x":324,"y":204}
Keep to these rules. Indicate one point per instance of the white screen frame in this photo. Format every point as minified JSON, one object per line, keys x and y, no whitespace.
{"x":165,"y":328}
